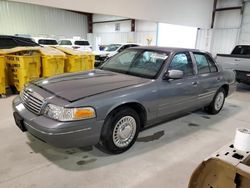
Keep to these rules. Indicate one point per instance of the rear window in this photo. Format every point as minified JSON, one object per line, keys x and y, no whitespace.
{"x":81,"y":43}
{"x":47,"y":42}
{"x":205,"y":64}
{"x":241,"y":50}
{"x":7,"y":42}
{"x":65,"y":42}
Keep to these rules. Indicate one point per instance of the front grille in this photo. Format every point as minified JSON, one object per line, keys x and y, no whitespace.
{"x":32,"y":101}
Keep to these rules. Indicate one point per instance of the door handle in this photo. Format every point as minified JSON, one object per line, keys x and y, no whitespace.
{"x":236,"y":60}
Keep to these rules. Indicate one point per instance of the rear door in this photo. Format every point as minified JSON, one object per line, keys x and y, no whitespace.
{"x":209,"y":77}
{"x":179,"y":94}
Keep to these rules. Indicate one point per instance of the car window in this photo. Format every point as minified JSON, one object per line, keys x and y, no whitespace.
{"x":137,"y":62}
{"x":241,"y":50}
{"x":213,"y":67}
{"x":81,"y":43}
{"x":7,"y":43}
{"x":205,"y":64}
{"x":65,"y":42}
{"x":122,"y":62}
{"x":202,"y":63}
{"x":47,"y":42}
{"x":112,"y":47}
{"x":148,"y":63}
{"x":182,"y":62}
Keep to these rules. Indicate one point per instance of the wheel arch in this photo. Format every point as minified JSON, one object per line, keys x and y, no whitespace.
{"x":135,"y":105}
{"x":226,"y":88}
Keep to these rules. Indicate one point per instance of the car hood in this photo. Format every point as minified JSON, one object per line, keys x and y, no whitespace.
{"x":73,"y":87}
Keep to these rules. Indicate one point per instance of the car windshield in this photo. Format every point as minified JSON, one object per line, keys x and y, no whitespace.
{"x":47,"y":42}
{"x":146,"y":64}
{"x":112,"y":47}
{"x":81,"y":43}
{"x":65,"y":42}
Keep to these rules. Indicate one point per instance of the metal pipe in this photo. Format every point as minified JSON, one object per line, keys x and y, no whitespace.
{"x":228,"y":8}
{"x":213,"y":15}
{"x":121,"y":20}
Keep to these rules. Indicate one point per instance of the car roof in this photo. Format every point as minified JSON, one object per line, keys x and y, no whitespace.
{"x":43,"y":38}
{"x":74,"y":39}
{"x":166,"y":49}
{"x":129,"y":43}
{"x":13,"y":37}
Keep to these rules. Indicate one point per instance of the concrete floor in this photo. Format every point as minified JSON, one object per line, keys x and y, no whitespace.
{"x":163,"y":156}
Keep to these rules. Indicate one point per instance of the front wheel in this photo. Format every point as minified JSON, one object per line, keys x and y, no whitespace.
{"x":120,"y":131}
{"x":217,"y":104}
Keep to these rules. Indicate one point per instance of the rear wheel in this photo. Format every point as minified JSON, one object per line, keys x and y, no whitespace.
{"x":120,"y":131}
{"x":217,"y":104}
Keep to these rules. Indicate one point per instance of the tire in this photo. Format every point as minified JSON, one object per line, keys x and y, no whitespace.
{"x":128,"y":122}
{"x":218,"y":102}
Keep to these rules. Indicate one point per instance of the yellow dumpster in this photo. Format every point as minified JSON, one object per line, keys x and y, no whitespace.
{"x":23,"y":67}
{"x":74,"y":61}
{"x":89,"y":59}
{"x":2,"y":76}
{"x":20,"y":65}
{"x":52,"y":61}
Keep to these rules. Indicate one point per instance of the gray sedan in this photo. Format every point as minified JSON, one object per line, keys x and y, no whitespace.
{"x":109,"y":106}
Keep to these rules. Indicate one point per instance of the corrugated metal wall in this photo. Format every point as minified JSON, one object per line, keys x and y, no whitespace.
{"x":227,"y":29}
{"x":21,"y":18}
{"x":104,"y":33}
{"x":204,"y":38}
{"x":196,"y":13}
{"x":245,"y":26}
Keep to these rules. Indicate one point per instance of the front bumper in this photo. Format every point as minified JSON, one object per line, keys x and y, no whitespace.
{"x":60,"y":134}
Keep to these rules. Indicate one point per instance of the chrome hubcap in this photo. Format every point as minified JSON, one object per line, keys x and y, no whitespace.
{"x":219,"y":101}
{"x":124,"y":131}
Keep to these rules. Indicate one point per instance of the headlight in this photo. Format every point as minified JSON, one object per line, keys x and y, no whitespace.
{"x":69,"y":114}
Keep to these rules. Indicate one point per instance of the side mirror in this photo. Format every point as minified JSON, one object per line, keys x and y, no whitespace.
{"x":174,"y":74}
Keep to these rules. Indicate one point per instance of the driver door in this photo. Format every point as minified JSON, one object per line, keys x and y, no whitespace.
{"x":179,"y":94}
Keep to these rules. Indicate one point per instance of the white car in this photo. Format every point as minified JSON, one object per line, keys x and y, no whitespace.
{"x":45,"y":41}
{"x":81,"y":45}
{"x":110,"y":50}
{"x":113,"y":49}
